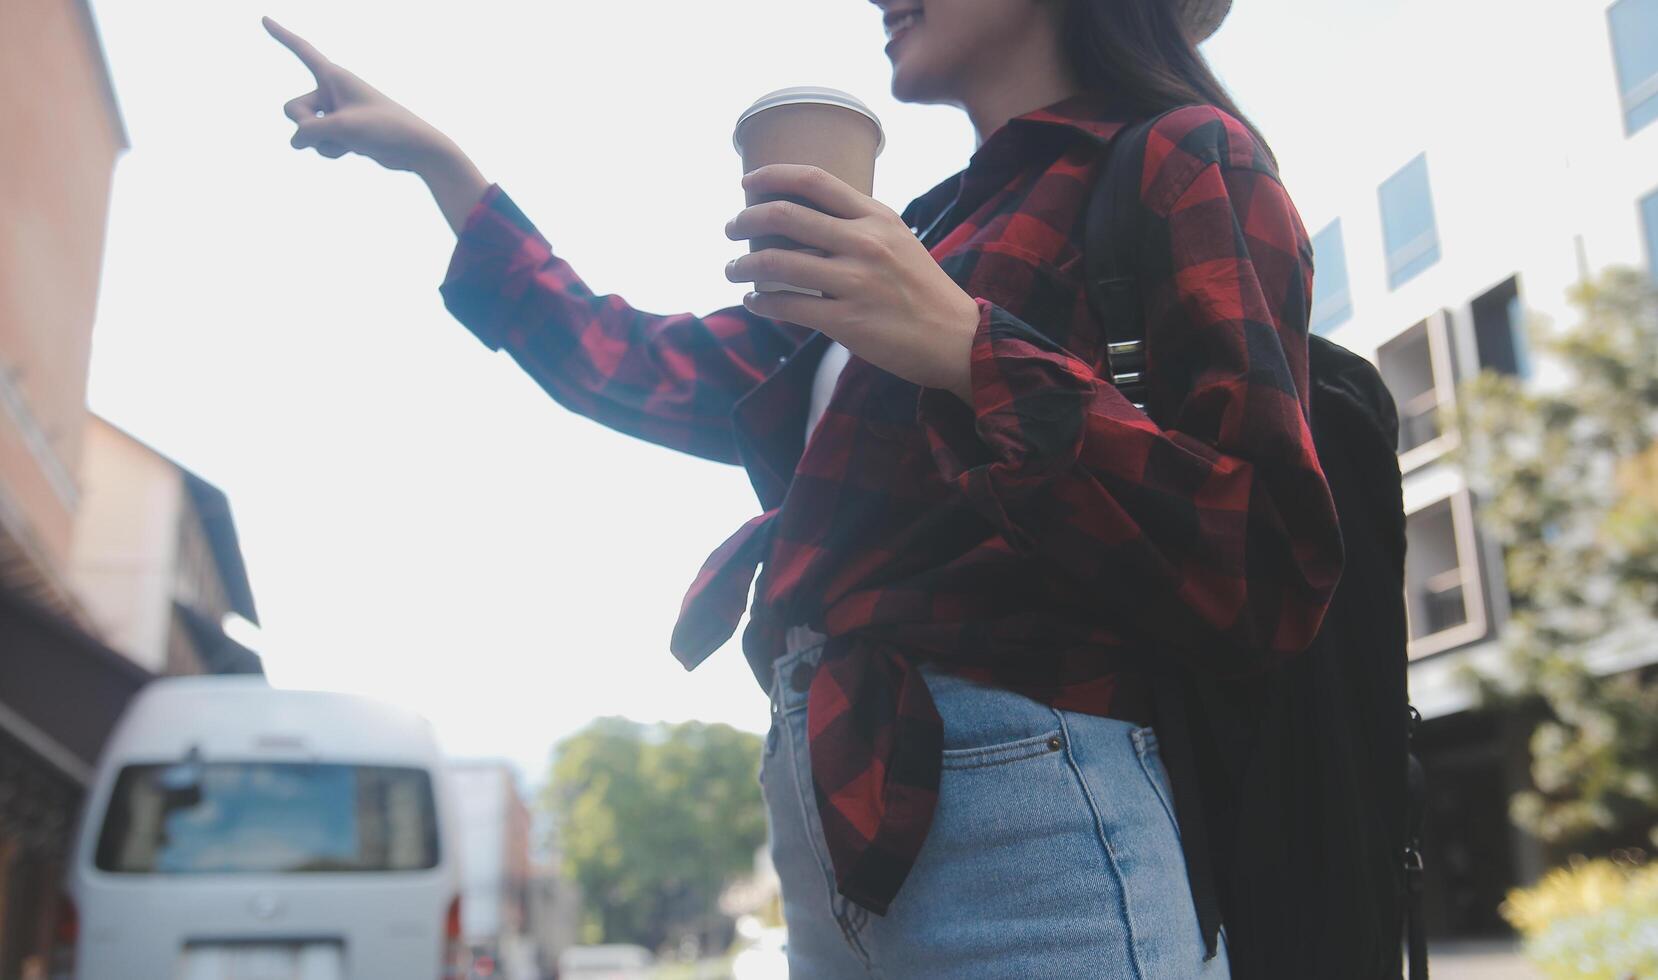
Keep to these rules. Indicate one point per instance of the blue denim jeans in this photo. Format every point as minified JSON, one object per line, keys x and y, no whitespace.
{"x":1053,"y":853}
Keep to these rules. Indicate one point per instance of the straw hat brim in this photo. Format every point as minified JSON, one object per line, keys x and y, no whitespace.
{"x":1201,"y":18}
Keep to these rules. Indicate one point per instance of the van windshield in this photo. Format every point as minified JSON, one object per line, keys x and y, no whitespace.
{"x":250,"y":817}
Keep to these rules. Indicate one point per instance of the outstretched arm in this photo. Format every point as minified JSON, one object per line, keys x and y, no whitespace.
{"x":669,"y":379}
{"x":345,"y":114}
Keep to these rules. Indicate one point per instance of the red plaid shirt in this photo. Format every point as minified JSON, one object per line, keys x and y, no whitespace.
{"x":1050,"y":537}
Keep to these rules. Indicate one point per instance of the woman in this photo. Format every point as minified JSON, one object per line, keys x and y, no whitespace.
{"x":973,"y":544}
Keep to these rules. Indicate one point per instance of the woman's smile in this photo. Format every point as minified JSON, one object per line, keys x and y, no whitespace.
{"x":900,"y":25}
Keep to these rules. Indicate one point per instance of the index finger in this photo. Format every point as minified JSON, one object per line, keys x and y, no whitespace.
{"x":301,"y":48}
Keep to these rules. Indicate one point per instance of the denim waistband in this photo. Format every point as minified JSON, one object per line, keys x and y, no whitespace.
{"x":802,"y":648}
{"x":800,"y":643}
{"x":802,"y":637}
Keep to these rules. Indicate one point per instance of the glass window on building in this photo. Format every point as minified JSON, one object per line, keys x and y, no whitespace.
{"x":1332,"y":302}
{"x":1499,"y":329}
{"x":1634,"y":25}
{"x":1649,"y":224}
{"x":1434,"y":593}
{"x":1408,"y":228}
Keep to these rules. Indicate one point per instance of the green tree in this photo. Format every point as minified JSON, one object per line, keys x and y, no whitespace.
{"x":1564,"y":472}
{"x":654,"y":821}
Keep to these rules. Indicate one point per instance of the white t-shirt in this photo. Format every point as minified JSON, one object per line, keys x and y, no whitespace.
{"x":823,"y":383}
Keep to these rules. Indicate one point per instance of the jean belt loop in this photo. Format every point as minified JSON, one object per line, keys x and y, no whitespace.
{"x":803,"y":649}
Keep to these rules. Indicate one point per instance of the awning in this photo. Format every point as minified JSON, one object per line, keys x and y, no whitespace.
{"x":220,"y":654}
{"x":61,"y":690}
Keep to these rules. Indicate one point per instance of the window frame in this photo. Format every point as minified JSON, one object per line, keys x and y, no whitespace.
{"x":1440,"y":362}
{"x":1465,"y":536}
{"x":1515,"y":315}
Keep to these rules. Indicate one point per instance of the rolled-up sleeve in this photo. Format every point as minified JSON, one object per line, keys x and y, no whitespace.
{"x":671,"y":379}
{"x":1213,"y":535}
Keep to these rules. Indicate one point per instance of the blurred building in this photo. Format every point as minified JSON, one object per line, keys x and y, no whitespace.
{"x":495,"y":865}
{"x":516,"y":907}
{"x":554,"y":914}
{"x":758,"y":893}
{"x":60,"y":689}
{"x":62,"y":131}
{"x":156,"y":563}
{"x":76,"y":644}
{"x":1511,"y":176}
{"x":555,"y":901}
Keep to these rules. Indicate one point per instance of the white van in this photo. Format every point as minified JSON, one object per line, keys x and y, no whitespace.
{"x":237,"y":830}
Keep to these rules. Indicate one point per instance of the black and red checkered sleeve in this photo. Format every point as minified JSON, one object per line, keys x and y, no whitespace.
{"x":1213,"y":535}
{"x":670,"y":379}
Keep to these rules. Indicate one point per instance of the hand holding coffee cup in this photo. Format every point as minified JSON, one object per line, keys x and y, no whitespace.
{"x":820,"y":127}
{"x":827,"y":256}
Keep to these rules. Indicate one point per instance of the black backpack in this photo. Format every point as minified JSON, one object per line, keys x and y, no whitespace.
{"x":1298,"y":799}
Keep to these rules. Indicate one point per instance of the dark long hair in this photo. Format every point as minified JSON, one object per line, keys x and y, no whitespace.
{"x":1134,"y":50}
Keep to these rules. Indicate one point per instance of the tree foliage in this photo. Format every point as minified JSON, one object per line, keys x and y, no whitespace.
{"x":654,"y":821}
{"x":1566,"y":472}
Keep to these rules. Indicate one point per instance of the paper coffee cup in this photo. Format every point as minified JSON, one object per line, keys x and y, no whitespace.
{"x":809,"y":124}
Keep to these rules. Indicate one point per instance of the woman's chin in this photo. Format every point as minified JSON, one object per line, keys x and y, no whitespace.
{"x":909,"y":85}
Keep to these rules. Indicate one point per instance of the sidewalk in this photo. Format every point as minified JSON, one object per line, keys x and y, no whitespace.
{"x":1479,"y":959}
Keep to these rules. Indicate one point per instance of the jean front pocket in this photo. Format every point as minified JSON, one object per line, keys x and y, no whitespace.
{"x":1151,"y":763}
{"x":985,"y":725}
{"x":1004,"y":753}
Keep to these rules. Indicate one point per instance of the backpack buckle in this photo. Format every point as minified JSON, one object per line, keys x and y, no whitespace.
{"x":1125,"y":357}
{"x":1126,"y":360}
{"x":1413,"y":868}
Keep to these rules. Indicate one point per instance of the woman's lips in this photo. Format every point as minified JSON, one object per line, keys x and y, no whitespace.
{"x":903,"y":33}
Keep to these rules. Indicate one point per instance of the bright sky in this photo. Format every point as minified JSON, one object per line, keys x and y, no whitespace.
{"x":421,"y":522}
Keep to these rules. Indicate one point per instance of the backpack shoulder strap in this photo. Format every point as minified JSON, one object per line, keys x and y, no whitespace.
{"x":1112,"y":234}
{"x":1110,"y":277}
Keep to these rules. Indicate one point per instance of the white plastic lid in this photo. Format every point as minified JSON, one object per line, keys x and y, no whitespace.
{"x":809,"y":93}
